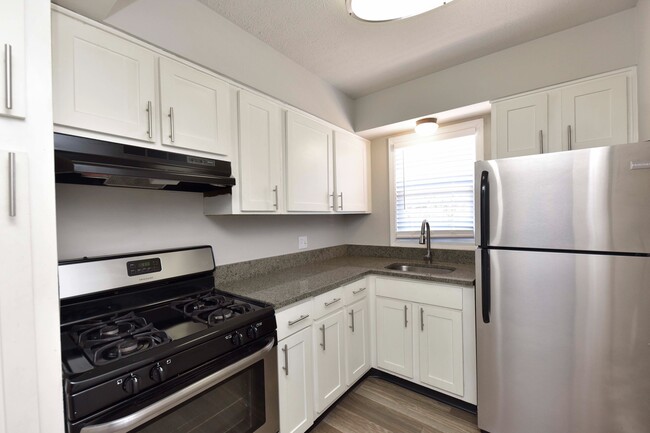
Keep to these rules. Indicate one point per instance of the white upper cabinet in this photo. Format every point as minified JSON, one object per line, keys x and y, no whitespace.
{"x":309,"y":170}
{"x":522,"y":126}
{"x":260,"y":153}
{"x":351,"y":155}
{"x":598,"y":111}
{"x":102,"y":82}
{"x":195,"y":109}
{"x":595,"y":113}
{"x":12,"y":44}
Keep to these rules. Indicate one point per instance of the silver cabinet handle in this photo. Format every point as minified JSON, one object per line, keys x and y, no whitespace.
{"x":569,"y":135}
{"x":172,"y":136}
{"x":12,"y":184}
{"x":341,"y":201}
{"x":406,"y":320}
{"x":130,"y":422}
{"x":351,"y":313}
{"x":275,"y":191}
{"x":354,"y":292}
{"x":149,"y":120}
{"x":9,"y":100}
{"x":285,"y":349}
{"x":333,"y":301}
{"x":332,"y":205}
{"x":421,"y":319}
{"x":300,"y":319}
{"x":541,"y":141}
{"x":322,"y":329}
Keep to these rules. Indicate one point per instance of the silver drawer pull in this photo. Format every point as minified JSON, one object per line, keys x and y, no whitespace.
{"x":12,"y":184}
{"x":300,"y":319}
{"x":9,"y":100}
{"x":354,"y":292}
{"x":172,"y":136}
{"x":149,"y":120}
{"x":422,"y":319}
{"x":333,"y":301}
{"x":406,"y":320}
{"x":285,"y":349}
{"x":322,"y":328}
{"x":351,"y":313}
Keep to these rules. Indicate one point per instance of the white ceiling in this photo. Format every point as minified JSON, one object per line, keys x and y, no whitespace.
{"x":360,"y":58}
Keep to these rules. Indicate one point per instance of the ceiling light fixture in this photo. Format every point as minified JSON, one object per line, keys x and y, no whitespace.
{"x":426,"y":126}
{"x":389,"y":10}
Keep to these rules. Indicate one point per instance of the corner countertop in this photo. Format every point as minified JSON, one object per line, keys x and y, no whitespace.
{"x":287,"y":286}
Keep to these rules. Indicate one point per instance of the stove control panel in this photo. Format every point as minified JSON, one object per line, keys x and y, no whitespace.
{"x":145,"y":266}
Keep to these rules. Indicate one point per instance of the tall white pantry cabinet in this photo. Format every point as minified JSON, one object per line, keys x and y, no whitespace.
{"x":30,"y":371}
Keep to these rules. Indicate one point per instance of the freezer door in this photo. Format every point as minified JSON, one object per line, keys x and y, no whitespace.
{"x":585,"y":200}
{"x":567,"y":347}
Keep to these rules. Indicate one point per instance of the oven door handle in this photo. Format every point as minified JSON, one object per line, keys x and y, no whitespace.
{"x":140,"y":417}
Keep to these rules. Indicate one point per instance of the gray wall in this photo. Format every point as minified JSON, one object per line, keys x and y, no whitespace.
{"x":100,"y":220}
{"x":191,"y":30}
{"x":599,"y":46}
{"x":642,"y":14}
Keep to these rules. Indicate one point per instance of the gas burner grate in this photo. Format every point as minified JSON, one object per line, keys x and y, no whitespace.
{"x":108,"y":339}
{"x":211,"y":308}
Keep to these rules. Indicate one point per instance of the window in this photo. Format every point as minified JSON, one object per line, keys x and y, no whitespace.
{"x":432,"y":178}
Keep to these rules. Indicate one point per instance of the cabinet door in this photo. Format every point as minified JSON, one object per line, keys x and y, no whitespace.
{"x":101,"y":82}
{"x":441,"y":348}
{"x":395,"y":336}
{"x":17,"y":319}
{"x":195,"y":109}
{"x":595,"y":113}
{"x":12,"y":44}
{"x":260,"y":153}
{"x":309,"y":165}
{"x":328,"y":355}
{"x":295,"y":377}
{"x":357,"y":341}
{"x":522,"y":126}
{"x":351,"y":165}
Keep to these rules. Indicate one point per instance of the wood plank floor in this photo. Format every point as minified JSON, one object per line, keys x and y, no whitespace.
{"x":378,"y":406}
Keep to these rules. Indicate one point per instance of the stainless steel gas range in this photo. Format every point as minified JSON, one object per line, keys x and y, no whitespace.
{"x":149,"y":345}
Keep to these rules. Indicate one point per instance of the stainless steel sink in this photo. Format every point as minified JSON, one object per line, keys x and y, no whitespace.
{"x":420,"y":269}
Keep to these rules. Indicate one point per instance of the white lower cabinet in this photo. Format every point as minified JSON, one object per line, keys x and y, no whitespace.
{"x":295,"y":382}
{"x":426,"y":334}
{"x":395,"y":336}
{"x":441,"y":348}
{"x":357,"y":341}
{"x":328,"y":359}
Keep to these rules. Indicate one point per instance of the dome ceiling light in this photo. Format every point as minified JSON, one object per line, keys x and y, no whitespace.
{"x":426,"y":126}
{"x":389,"y":10}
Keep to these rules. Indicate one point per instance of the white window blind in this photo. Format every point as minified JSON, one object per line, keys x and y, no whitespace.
{"x":434,"y":180}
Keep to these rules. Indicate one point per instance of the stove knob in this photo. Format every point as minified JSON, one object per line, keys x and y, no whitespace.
{"x":236,"y":339}
{"x":252,"y":332}
{"x":131,"y":384}
{"x":157,"y":373}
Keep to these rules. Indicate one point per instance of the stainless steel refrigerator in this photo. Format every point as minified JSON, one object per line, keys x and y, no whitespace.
{"x":563,"y":292}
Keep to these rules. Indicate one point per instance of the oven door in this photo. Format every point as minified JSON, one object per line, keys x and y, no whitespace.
{"x":240,"y":398}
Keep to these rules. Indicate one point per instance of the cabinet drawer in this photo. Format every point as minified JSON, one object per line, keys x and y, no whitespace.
{"x":327,"y":302}
{"x":440,"y":294}
{"x":294,"y":318}
{"x":355,"y":291}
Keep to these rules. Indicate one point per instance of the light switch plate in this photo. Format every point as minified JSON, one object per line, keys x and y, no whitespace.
{"x":302,"y":242}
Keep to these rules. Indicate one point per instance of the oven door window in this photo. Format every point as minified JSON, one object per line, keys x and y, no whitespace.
{"x":234,"y":406}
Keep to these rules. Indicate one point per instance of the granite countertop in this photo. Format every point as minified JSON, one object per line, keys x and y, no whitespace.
{"x":287,"y":286}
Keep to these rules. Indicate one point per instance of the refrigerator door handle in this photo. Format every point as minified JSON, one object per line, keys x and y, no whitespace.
{"x":485,"y":209}
{"x":485,"y":285}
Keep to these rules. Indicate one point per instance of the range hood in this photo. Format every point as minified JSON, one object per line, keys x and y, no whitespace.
{"x":94,"y":162}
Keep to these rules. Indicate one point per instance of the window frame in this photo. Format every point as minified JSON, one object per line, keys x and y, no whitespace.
{"x":474,"y":126}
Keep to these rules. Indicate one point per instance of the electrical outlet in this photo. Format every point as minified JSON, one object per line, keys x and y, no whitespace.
{"x":302,"y":242}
